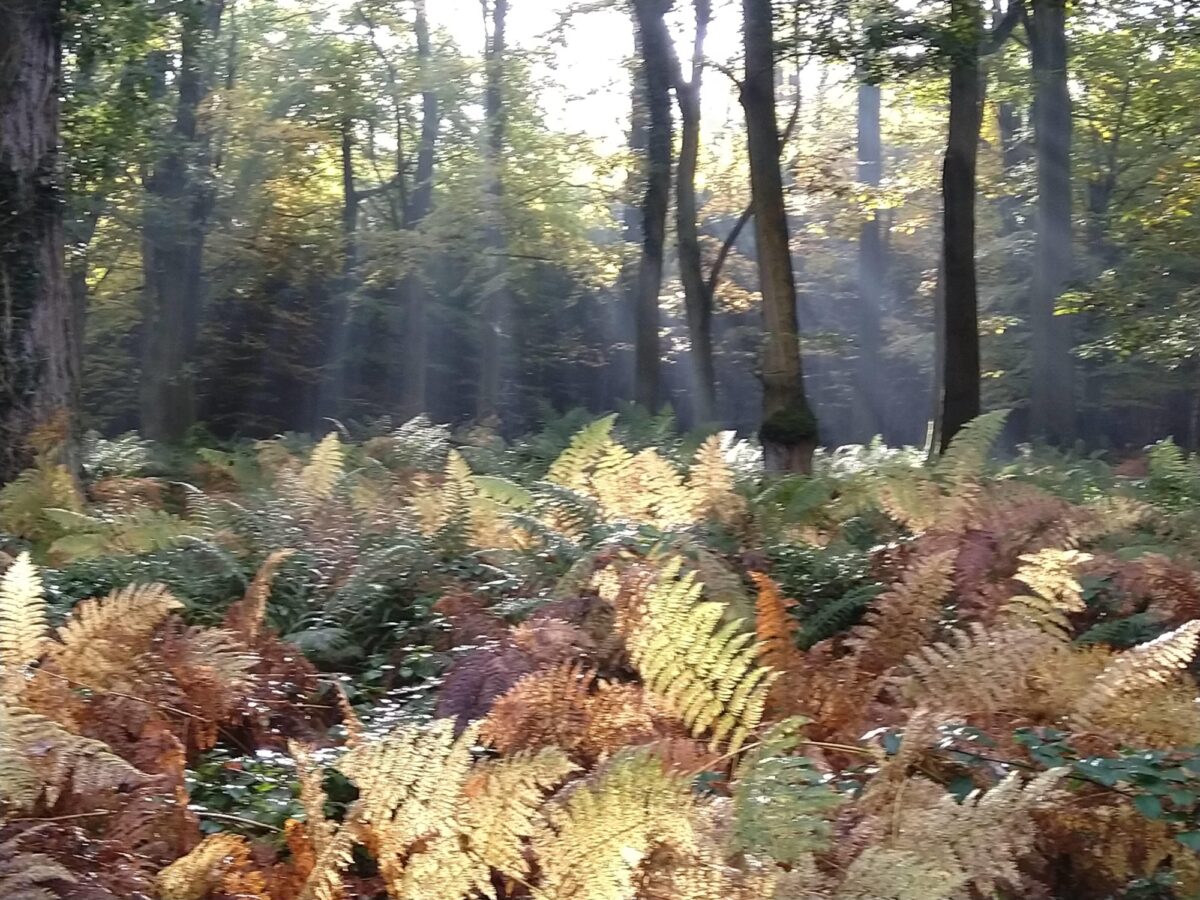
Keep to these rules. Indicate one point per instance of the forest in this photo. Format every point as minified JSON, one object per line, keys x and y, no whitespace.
{"x":599,"y":449}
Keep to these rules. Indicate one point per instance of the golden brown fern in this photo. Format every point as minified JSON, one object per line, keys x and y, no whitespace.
{"x":903,"y":620}
{"x":206,"y":869}
{"x":102,"y":635}
{"x":324,"y":468}
{"x":1051,"y":576}
{"x":1123,"y":685}
{"x":774,"y":625}
{"x":704,"y":672}
{"x":245,"y":617}
{"x":592,"y":841}
{"x":711,"y":483}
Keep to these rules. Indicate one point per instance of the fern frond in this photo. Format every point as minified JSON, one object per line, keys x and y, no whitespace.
{"x":774,"y":625}
{"x":704,"y":672}
{"x":1050,"y":574}
{"x":311,"y":781}
{"x":324,"y":882}
{"x":202,"y":871}
{"x":245,"y":617}
{"x":103,"y":634}
{"x":572,"y":467}
{"x":879,"y":872}
{"x":781,"y":802}
{"x":61,"y":760}
{"x":711,"y":482}
{"x":1144,"y":667}
{"x":27,"y":875}
{"x":319,"y":477}
{"x":22,"y":614}
{"x":591,"y":842}
{"x":965,"y":458}
{"x":903,"y":620}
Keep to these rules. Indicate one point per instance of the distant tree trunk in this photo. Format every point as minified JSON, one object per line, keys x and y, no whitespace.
{"x":789,"y":428}
{"x":869,"y":372}
{"x":413,"y":290}
{"x":1052,"y":394}
{"x":698,"y":300}
{"x":178,"y":204}
{"x":497,"y":305}
{"x":657,"y":51}
{"x":38,"y":373}
{"x":960,"y":401}
{"x":624,"y":331}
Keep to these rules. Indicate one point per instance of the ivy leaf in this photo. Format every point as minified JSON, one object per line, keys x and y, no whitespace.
{"x":1148,"y":806}
{"x":1190,"y":839}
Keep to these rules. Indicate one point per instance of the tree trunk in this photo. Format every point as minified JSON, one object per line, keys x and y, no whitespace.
{"x":38,"y":373}
{"x":698,"y":301}
{"x":789,"y":428}
{"x":1052,"y":395}
{"x":413,"y":290}
{"x":960,"y":402}
{"x":657,"y":50}
{"x":178,"y":204}
{"x":869,"y":373}
{"x":497,"y":304}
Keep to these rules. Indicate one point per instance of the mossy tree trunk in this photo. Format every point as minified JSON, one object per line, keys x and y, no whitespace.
{"x":789,"y":429}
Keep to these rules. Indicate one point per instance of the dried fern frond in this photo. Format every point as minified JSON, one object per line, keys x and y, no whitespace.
{"x":203,"y":871}
{"x":311,"y":780}
{"x":711,"y":482}
{"x":774,"y":625}
{"x":60,"y":760}
{"x":985,"y":836}
{"x":1144,"y":667}
{"x":879,"y":872}
{"x":102,"y":635}
{"x":245,"y":617}
{"x":592,"y":840}
{"x":324,"y":882}
{"x":902,"y":621}
{"x":319,"y":477}
{"x":704,"y":672}
{"x":1051,"y":575}
{"x":22,"y":614}
{"x":982,"y":671}
{"x":28,"y":875}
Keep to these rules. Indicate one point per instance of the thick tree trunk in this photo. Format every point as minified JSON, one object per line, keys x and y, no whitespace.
{"x":413,"y":289}
{"x":178,"y":204}
{"x":657,"y":50}
{"x":789,"y":428}
{"x":869,"y":374}
{"x":1052,"y":395}
{"x":38,"y":373}
{"x":960,"y":401}
{"x":698,"y":300}
{"x":497,"y":305}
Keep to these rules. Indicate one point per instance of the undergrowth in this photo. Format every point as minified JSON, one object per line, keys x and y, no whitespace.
{"x":604,"y":661}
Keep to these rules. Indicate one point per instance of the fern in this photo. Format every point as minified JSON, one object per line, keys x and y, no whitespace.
{"x":705,"y":673}
{"x":586,"y":448}
{"x":30,"y":876}
{"x":245,"y":617}
{"x":592,"y":840}
{"x":965,"y":458}
{"x":836,"y":616}
{"x":205,"y":869}
{"x":319,"y":477}
{"x":879,"y":872}
{"x":781,"y":802}
{"x":22,"y":614}
{"x":1051,"y":575}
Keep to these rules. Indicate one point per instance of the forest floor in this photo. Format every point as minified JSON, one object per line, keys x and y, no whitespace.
{"x":604,"y":661}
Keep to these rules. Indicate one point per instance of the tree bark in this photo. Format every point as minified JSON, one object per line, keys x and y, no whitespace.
{"x":789,"y":428}
{"x":497,"y":304}
{"x":178,"y":205}
{"x":960,"y":394}
{"x":698,"y":300}
{"x":657,"y":51}
{"x":1052,"y":395}
{"x":869,"y":373}
{"x":414,"y":293}
{"x":38,"y":373}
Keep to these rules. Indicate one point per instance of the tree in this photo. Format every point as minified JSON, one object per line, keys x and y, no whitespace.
{"x":497,"y":305}
{"x":179,"y":200}
{"x":789,"y":428}
{"x":1051,"y":396}
{"x":959,"y":402}
{"x":654,"y":41}
{"x":38,"y":365}
{"x":698,"y":298}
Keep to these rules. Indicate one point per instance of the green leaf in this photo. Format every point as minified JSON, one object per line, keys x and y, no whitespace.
{"x":1190,"y":839}
{"x":1148,"y":806}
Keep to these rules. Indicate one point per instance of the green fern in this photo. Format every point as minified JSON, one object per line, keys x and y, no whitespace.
{"x":965,"y":458}
{"x":782,"y":803}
